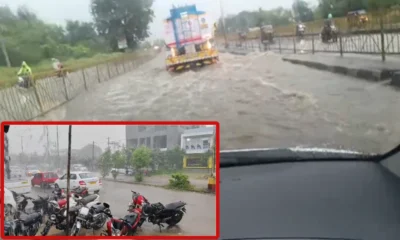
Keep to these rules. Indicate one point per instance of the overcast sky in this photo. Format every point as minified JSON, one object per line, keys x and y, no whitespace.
{"x":57,"y":11}
{"x":34,"y":137}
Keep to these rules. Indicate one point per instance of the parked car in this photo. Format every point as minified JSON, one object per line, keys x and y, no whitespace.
{"x":44,"y":179}
{"x":77,"y":179}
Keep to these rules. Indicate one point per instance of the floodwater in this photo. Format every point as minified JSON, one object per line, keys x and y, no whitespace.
{"x":259,"y":100}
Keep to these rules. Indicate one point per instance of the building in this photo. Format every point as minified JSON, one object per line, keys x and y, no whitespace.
{"x":155,"y":137}
{"x":197,"y":144}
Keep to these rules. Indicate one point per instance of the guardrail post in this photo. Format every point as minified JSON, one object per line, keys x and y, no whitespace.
{"x":341,"y":44}
{"x":123,"y":65}
{"x":312,"y":42}
{"x":84,"y":79}
{"x":116,"y":67}
{"x":279,"y":41}
{"x":383,"y":51}
{"x":65,"y":88}
{"x":98,"y":74}
{"x":294,"y":45}
{"x":37,"y":97}
{"x":108,"y":70}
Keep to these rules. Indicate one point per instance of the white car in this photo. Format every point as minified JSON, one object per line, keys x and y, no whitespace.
{"x":83,"y":179}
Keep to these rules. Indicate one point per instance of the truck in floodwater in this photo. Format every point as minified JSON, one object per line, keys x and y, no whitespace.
{"x":189,"y":38}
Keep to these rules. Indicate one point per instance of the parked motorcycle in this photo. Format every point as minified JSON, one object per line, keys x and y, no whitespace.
{"x":91,"y":218}
{"x":157,"y":213}
{"x":27,"y":224}
{"x":59,"y":211}
{"x":81,"y":191}
{"x":125,"y":226}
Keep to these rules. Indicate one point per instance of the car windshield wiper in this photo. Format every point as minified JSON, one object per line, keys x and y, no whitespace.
{"x":262,"y":156}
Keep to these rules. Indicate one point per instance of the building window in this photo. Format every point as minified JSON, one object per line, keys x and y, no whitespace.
{"x":142,"y":128}
{"x":192,"y":147}
{"x":206,"y":144}
{"x":187,"y":147}
{"x":142,"y":142}
{"x":148,"y":142}
{"x":160,"y":128}
{"x":198,"y":146}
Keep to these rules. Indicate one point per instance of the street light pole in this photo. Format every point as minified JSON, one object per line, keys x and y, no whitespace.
{"x":223,"y":22}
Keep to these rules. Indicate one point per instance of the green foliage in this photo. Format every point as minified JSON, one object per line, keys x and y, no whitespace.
{"x":122,"y":19}
{"x":180,"y":181}
{"x":28,"y":38}
{"x":118,"y":159}
{"x":139,"y":177}
{"x":171,"y":159}
{"x":105,"y":163}
{"x":141,"y":158}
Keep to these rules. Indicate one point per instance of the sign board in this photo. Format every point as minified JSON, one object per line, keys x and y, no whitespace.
{"x":122,"y":43}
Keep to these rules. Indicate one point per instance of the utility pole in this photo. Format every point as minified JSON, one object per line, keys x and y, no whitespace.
{"x":58,"y":151}
{"x":92,"y":155}
{"x":22,"y":148}
{"x":223,"y":23}
{"x":68,"y":174}
{"x":4,"y":49}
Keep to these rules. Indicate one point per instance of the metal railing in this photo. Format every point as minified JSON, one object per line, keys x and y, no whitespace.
{"x":48,"y":93}
{"x":371,"y":42}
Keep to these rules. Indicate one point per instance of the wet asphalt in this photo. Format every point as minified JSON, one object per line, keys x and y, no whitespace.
{"x":199,"y":220}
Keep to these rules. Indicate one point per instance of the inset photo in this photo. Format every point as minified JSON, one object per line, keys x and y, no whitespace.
{"x":110,"y":179}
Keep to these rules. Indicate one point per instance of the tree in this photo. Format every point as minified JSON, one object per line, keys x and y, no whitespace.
{"x":141,"y":158}
{"x":116,"y":19}
{"x":105,"y":163}
{"x":118,"y":159}
{"x":174,"y":158}
{"x":302,"y":11}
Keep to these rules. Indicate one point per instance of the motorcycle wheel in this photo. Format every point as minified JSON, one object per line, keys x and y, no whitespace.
{"x":46,"y":229}
{"x":74,"y":230}
{"x":175,"y":219}
{"x":100,"y":224}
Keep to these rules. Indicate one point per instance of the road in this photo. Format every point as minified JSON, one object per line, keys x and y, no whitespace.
{"x":199,"y":220}
{"x":259,"y":100}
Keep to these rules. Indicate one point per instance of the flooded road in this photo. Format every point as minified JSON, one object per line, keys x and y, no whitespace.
{"x":199,"y":220}
{"x":259,"y":100}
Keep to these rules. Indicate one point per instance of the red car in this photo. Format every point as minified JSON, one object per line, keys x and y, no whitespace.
{"x":44,"y":179}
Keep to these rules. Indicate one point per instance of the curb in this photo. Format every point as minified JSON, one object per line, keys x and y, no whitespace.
{"x":368,"y":74}
{"x":196,"y":190}
{"x":234,"y":52}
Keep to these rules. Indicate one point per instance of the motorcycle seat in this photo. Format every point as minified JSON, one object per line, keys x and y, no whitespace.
{"x":88,"y":199}
{"x":78,"y":190}
{"x":30,"y":218}
{"x":174,"y":205}
{"x":74,"y":208}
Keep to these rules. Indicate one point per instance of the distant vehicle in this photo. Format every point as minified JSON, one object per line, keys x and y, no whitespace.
{"x":16,"y":172}
{"x":190,"y":39}
{"x":267,"y":34}
{"x":357,"y":18}
{"x":80,"y":178}
{"x":31,"y":172}
{"x":44,"y":179}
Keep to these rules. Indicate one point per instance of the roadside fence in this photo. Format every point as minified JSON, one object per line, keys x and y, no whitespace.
{"x":50,"y":92}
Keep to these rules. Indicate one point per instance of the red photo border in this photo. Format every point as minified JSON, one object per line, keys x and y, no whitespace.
{"x":217,"y":161}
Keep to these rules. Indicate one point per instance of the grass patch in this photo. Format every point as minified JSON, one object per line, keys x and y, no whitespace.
{"x":8,"y":76}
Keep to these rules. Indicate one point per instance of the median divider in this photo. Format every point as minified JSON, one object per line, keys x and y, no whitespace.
{"x":50,"y":91}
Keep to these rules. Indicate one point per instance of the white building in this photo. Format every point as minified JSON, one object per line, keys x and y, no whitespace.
{"x":198,"y":140}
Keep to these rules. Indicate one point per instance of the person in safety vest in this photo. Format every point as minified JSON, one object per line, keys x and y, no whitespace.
{"x":24,"y":75}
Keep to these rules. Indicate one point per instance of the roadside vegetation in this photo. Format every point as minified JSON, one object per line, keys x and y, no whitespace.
{"x":26,"y":37}
{"x":284,"y":19}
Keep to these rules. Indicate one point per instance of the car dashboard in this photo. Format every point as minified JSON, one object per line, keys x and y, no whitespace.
{"x":308,"y":199}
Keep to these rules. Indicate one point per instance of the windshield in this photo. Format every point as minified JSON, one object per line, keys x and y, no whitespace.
{"x":86,"y":175}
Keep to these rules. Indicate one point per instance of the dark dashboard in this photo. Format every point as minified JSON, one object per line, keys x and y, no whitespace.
{"x":310,"y":195}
